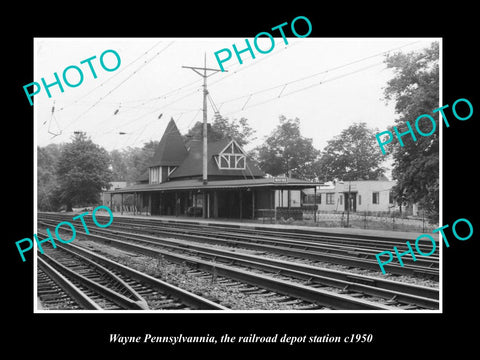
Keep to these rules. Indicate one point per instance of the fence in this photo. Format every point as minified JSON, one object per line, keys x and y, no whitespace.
{"x":130,"y":209}
{"x":305,"y":215}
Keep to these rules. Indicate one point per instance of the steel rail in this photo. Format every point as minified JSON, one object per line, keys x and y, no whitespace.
{"x":243,"y":240}
{"x":348,"y":260}
{"x":302,"y":234}
{"x":127,"y":289}
{"x":66,"y":285}
{"x":402,"y":292}
{"x":291,"y":233}
{"x":115,"y":297}
{"x":354,"y":247}
{"x":186,"y":297}
{"x":289,"y":288}
{"x":351,"y":259}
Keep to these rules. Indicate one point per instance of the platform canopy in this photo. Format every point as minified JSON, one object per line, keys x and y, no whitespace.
{"x":197,"y":184}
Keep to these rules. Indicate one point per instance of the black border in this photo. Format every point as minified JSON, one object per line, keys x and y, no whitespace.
{"x":88,"y":334}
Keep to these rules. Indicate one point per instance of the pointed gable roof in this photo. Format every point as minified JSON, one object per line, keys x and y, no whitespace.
{"x":171,"y":150}
{"x":193,"y":164}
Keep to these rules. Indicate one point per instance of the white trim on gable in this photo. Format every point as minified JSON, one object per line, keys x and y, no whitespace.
{"x":228,"y":159}
{"x":229,"y":144}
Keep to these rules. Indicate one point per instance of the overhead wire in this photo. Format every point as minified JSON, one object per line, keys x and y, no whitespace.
{"x":284,"y":85}
{"x":176,"y":91}
{"x":111,"y":77}
{"x":118,"y":85}
{"x":306,"y":87}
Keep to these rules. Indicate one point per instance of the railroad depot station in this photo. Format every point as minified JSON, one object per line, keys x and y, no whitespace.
{"x":233,"y":187}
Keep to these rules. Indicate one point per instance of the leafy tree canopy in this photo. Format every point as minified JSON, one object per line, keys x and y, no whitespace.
{"x":352,"y":155}
{"x":47,"y":158}
{"x":415,"y":90}
{"x":222,"y":128}
{"x":82,"y":172}
{"x":286,"y":151}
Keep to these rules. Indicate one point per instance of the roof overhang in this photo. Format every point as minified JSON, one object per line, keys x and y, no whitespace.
{"x":244,"y":184}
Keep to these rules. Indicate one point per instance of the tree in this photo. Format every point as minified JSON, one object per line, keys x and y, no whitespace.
{"x":352,"y":155}
{"x":119,"y":165}
{"x":47,"y":158}
{"x":222,"y":128}
{"x":130,"y":163}
{"x":415,"y":90}
{"x":286,"y":151}
{"x":82,"y":172}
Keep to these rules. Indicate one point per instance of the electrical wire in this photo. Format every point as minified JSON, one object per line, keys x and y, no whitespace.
{"x":110,"y":78}
{"x":117,"y":86}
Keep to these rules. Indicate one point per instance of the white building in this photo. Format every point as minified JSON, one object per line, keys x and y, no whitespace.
{"x":367,"y":195}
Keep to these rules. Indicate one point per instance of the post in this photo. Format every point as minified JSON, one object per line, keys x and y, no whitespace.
{"x":205,"y":127}
{"x":253,"y":204}
{"x":274,"y":206}
{"x":215,"y":204}
{"x":121,"y":205}
{"x":204,"y":204}
{"x":134,"y":203}
{"x":150,"y":204}
{"x":208,"y":205}
{"x":315,"y":204}
{"x":241,"y":204}
{"x":348,"y":203}
{"x":195,"y":209}
{"x":176,"y":205}
{"x":205,"y":146}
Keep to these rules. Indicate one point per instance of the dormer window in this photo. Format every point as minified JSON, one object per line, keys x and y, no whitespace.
{"x":232,"y":157}
{"x":155,"y":175}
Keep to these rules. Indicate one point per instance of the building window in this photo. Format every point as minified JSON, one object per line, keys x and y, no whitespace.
{"x":340,"y":199}
{"x":376,"y":198}
{"x":232,"y":157}
{"x":155,"y":175}
{"x":359,"y":199}
{"x":330,"y":199}
{"x":390,"y":197}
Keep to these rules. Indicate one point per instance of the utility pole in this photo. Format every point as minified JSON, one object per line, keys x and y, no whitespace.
{"x":205,"y":146}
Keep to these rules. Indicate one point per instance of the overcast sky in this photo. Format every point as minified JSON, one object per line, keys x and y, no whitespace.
{"x":332,"y":83}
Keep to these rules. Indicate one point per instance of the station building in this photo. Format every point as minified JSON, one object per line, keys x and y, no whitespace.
{"x":235,"y":186}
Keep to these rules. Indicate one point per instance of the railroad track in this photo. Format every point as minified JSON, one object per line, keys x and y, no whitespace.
{"x":275,"y":233}
{"x":359,"y":256}
{"x":309,"y":280}
{"x":115,"y":287}
{"x":56,"y":292}
{"x":303,"y":235}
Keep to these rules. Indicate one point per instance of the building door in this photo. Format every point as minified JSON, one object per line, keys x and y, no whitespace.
{"x":350,"y":201}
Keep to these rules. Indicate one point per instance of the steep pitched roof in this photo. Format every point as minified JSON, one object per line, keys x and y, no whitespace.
{"x":171,"y":150}
{"x":193,"y":165}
